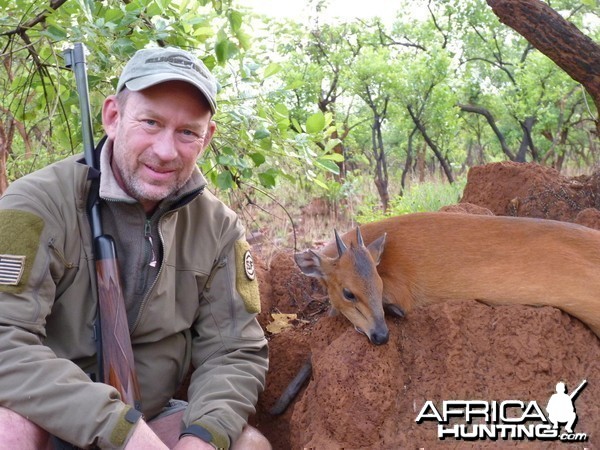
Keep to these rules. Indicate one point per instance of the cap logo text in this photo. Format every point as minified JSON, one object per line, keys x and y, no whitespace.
{"x":179,"y":61}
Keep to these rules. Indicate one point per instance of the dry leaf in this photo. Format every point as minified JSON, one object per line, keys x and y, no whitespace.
{"x":281,"y":322}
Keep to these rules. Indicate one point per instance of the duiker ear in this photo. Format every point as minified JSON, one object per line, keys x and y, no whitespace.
{"x":376,"y":248}
{"x":309,"y":263}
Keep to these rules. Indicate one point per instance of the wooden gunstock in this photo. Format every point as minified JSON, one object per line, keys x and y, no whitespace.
{"x":117,"y":355}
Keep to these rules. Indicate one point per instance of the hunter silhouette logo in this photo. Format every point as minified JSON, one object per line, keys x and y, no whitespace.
{"x":560,"y":406}
{"x":472,"y":420}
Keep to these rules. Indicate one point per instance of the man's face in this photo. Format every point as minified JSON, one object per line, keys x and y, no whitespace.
{"x":158,"y":134}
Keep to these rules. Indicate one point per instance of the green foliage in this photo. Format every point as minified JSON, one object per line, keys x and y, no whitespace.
{"x":295,"y":102}
{"x":422,"y":197}
{"x":257,"y":141}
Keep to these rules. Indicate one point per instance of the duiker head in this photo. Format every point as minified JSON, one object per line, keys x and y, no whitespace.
{"x":353,"y":284}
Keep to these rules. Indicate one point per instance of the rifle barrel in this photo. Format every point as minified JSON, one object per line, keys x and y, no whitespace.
{"x":75,"y":60}
{"x":579,"y":388}
{"x":117,"y":361}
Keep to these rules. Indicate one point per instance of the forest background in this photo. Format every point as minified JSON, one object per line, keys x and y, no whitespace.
{"x":359,"y":113}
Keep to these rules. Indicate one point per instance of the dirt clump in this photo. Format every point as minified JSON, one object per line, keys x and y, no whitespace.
{"x":531,"y":190}
{"x":467,"y":208}
{"x":367,"y":397}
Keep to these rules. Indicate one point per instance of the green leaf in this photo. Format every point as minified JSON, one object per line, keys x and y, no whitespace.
{"x":267,"y":179}
{"x":224,"y":181}
{"x":320,"y":184}
{"x":258,"y":158}
{"x":56,"y":33}
{"x":218,"y":6}
{"x":261,"y":134}
{"x":271,"y":70}
{"x":235,"y":20}
{"x":221,"y":50}
{"x":336,"y":157}
{"x":331,"y":144}
{"x":296,"y":125}
{"x":226,"y":160}
{"x":282,"y":110}
{"x":328,"y":165}
{"x":315,"y":123}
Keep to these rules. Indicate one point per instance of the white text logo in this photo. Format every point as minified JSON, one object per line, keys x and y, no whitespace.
{"x":509,"y":419}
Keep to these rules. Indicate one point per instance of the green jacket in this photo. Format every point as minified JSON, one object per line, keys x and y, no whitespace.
{"x":201,"y":310}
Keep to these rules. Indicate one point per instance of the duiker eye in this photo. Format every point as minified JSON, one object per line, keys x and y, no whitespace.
{"x":348,"y":295}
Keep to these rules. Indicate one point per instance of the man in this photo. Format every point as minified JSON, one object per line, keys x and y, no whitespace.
{"x":189,"y":300}
{"x":561,"y":409}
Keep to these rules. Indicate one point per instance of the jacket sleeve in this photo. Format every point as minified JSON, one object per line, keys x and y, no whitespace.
{"x":229,"y":350}
{"x":50,"y":391}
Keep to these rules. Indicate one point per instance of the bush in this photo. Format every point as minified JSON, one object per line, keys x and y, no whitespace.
{"x":421,"y":197}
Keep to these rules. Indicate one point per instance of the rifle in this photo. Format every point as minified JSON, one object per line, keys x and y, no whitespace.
{"x":579,"y":388}
{"x":117,"y":360}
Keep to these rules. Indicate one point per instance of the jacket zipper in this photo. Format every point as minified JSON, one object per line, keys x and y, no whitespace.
{"x":148,"y":235}
{"x":220,"y":263}
{"x":147,"y":296}
{"x":160,"y":268}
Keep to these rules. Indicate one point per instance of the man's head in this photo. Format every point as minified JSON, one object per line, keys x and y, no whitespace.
{"x":159,"y":122}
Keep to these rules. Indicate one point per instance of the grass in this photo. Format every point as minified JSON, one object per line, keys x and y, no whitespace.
{"x":419,"y":197}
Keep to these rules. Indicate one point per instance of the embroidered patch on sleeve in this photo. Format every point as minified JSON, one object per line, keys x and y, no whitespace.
{"x":11,"y":269}
{"x":246,"y":282}
{"x":20,"y":233}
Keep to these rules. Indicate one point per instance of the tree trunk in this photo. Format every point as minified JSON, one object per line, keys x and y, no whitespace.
{"x":3,"y":169}
{"x":409,"y":160}
{"x":381,"y":175}
{"x":492,"y":122}
{"x":527,"y":141}
{"x":557,"y":38}
{"x":421,"y":165}
{"x":438,"y":154}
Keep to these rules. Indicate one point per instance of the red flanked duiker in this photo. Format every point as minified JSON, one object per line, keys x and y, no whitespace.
{"x":416,"y":259}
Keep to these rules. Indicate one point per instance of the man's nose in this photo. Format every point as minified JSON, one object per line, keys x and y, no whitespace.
{"x":164,"y":146}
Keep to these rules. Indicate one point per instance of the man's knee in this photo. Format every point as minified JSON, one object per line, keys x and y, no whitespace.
{"x":17,"y":432}
{"x":251,"y":439}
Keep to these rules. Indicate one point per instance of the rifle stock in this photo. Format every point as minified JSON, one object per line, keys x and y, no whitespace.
{"x":117,"y":355}
{"x":118,"y":365}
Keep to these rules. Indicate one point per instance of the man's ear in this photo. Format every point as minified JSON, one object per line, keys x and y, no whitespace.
{"x":210,"y":132}
{"x":110,"y":116}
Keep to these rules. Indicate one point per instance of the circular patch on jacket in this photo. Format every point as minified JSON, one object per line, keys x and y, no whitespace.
{"x":249,"y":266}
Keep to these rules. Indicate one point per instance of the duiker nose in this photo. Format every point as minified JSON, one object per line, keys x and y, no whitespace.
{"x":379,"y":337}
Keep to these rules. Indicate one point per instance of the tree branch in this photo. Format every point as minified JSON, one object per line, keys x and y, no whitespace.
{"x":41,"y":17}
{"x":555,"y":37}
{"x":492,"y":122}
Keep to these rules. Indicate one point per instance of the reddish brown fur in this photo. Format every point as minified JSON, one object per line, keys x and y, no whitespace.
{"x":433,"y":257}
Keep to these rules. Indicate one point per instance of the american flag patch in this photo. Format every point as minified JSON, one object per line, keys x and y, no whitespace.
{"x":11,"y":269}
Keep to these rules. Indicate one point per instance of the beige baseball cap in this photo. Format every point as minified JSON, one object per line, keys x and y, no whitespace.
{"x":152,"y":66}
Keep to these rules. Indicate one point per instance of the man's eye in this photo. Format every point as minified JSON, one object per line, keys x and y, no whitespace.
{"x":189,"y":136}
{"x":150,"y":122}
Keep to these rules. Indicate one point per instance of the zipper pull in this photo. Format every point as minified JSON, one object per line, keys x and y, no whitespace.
{"x":217,"y":265}
{"x":148,"y":236}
